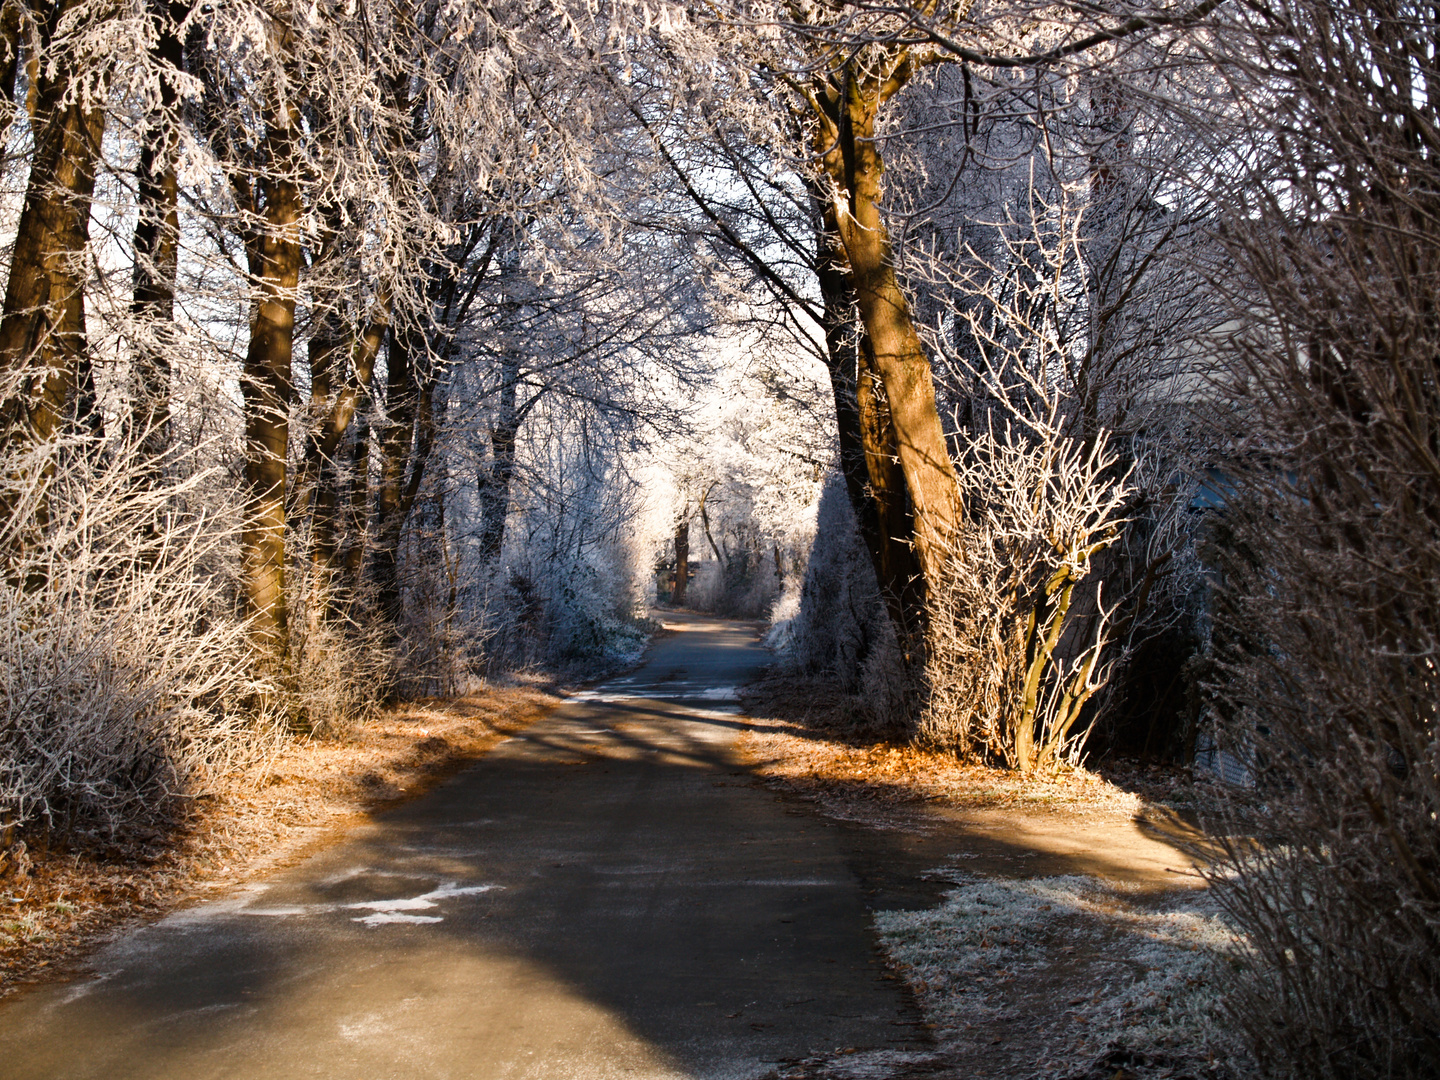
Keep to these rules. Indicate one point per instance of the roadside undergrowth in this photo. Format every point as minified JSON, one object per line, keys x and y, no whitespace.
{"x":1069,"y":971}
{"x":1092,"y":974}
{"x":801,"y":740}
{"x":73,"y":896}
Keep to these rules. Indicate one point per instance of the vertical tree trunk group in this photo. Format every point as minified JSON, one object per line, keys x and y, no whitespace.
{"x":893,"y":451}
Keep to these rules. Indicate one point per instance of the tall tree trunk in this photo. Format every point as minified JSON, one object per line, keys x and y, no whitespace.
{"x":406,"y":442}
{"x":396,"y":437}
{"x":337,"y":406}
{"x":682,"y":559}
{"x":845,"y":110}
{"x":157,"y":245}
{"x":357,"y":509}
{"x":495,"y":484}
{"x":869,"y":462}
{"x":42,"y":328}
{"x":274,"y":256}
{"x":320,"y":483}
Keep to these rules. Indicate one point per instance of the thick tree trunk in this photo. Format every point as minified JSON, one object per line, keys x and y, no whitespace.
{"x":42,"y":328}
{"x":874,"y":480}
{"x":274,"y":255}
{"x":845,"y":136}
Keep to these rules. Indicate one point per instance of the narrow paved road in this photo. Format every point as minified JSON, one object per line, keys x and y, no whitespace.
{"x":606,"y":895}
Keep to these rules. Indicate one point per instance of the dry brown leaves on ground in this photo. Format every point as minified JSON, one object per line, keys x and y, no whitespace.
{"x":800,"y":741}
{"x":73,"y":897}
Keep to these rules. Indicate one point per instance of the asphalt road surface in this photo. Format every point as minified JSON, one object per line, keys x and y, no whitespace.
{"x":606,"y":895}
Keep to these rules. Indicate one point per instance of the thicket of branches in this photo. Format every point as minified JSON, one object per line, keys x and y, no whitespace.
{"x":1326,"y":633}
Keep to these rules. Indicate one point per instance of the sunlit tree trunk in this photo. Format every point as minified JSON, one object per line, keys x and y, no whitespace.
{"x":845,"y":109}
{"x":42,"y":328}
{"x":274,"y":256}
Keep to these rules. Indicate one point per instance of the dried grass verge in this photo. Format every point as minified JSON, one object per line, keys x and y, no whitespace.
{"x":802,"y":740}
{"x":74,"y":898}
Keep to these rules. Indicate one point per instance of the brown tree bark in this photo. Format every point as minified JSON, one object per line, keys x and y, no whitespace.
{"x":406,"y":442}
{"x":845,"y":106}
{"x":869,"y":457}
{"x":337,"y":407}
{"x":273,"y":206}
{"x":494,"y":484}
{"x":157,"y":246}
{"x":682,"y":559}
{"x":42,"y":328}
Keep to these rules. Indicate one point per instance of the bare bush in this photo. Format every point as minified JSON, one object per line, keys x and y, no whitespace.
{"x":1010,"y":663}
{"x":125,"y":677}
{"x":343,"y":662}
{"x":1019,"y":631}
{"x":1047,"y":245}
{"x":1327,"y":628}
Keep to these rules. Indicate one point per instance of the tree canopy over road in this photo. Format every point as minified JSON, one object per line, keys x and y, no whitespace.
{"x":1052,"y":377}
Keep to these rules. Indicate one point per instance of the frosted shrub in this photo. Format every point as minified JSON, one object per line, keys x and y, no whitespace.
{"x":842,"y":628}
{"x":1326,"y":639}
{"x":124,"y":675}
{"x":1014,"y":654}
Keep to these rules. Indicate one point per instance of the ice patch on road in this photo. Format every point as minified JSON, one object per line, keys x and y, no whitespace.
{"x":387,"y":918}
{"x":619,"y":693}
{"x":383,"y":912}
{"x":414,"y":903}
{"x":716,"y":714}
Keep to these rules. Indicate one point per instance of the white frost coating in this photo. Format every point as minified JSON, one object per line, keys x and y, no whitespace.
{"x":390,"y":911}
{"x":383,"y":918}
{"x":81,"y":989}
{"x":414,"y":903}
{"x":1158,"y":959}
{"x":666,"y":692}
